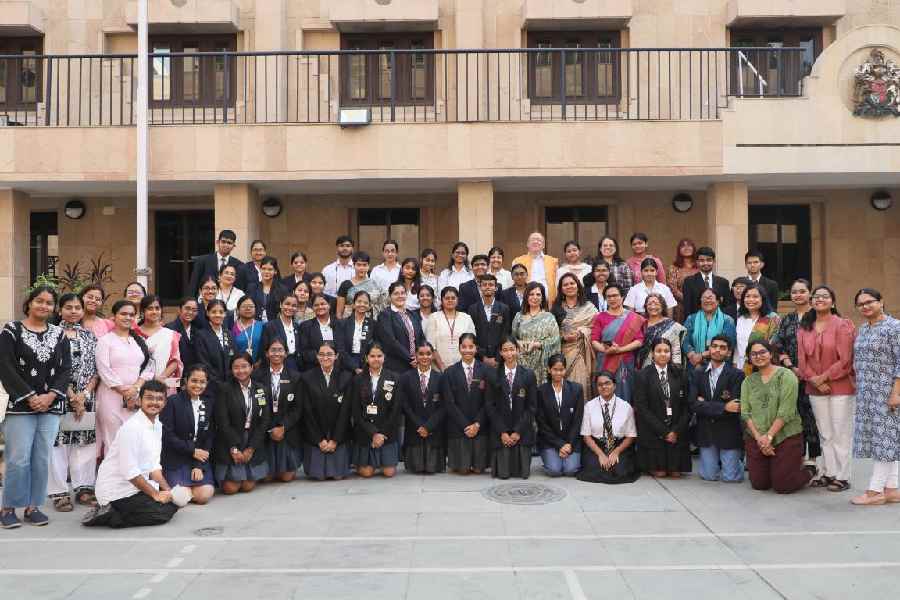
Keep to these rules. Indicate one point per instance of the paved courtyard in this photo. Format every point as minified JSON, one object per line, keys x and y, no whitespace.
{"x":439,"y":537}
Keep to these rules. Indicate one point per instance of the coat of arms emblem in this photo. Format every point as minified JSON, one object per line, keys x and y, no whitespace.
{"x":877,"y":87}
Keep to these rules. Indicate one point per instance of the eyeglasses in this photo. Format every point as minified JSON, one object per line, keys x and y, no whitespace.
{"x":822,"y":297}
{"x":759,"y":354}
{"x":189,"y":309}
{"x":326,"y":354}
{"x":866,"y":303}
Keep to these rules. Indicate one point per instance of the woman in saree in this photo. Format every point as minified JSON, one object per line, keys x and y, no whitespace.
{"x":535,"y":331}
{"x":615,"y":336}
{"x":659,"y":327}
{"x":361,"y":282}
{"x":703,"y":326}
{"x":162,"y":342}
{"x":575,"y":315}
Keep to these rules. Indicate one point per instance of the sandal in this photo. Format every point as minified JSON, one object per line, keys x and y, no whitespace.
{"x":823,"y":481}
{"x":63,"y":504}
{"x":86,"y":498}
{"x":838,"y":485}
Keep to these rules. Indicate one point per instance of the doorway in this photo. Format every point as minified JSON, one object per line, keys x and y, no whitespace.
{"x":782,"y":234}
{"x":181,"y":237}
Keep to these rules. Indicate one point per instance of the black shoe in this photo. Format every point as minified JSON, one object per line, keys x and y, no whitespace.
{"x":99,"y":516}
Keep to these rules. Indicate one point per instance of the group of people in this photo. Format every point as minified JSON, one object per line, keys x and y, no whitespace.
{"x":606,"y":370}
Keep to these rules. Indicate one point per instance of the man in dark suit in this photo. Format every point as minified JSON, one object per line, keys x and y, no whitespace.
{"x":715,"y":397}
{"x":694,"y":285}
{"x":470,"y":291}
{"x":489,"y":329}
{"x":210,"y":264}
{"x":755,"y":263}
{"x":512,"y":297}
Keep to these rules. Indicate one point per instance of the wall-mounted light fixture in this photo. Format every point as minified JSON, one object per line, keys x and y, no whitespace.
{"x":74,"y":209}
{"x":682,"y":202}
{"x":271,"y":207}
{"x":881,"y":200}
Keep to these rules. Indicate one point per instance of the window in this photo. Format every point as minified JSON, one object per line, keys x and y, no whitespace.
{"x":188,"y":81}
{"x":782,"y":234}
{"x":181,"y":238}
{"x":584,"y":224}
{"x":20,"y":78}
{"x":589,"y":76}
{"x":379,"y":224}
{"x":44,"y":244}
{"x":782,"y":72}
{"x":368,"y":79}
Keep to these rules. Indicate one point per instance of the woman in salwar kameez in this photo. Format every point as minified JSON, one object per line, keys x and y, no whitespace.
{"x":535,"y":331}
{"x":575,"y":316}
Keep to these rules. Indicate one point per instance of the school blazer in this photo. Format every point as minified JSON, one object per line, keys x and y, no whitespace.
{"x":378,"y":411}
{"x":273,"y":330}
{"x":428,"y":411}
{"x":510,"y":299}
{"x":273,"y":305}
{"x":650,"y":407}
{"x":326,"y":408}
{"x":186,"y":348}
{"x":715,"y":427}
{"x":693,"y":287}
{"x":311,"y":341}
{"x":470,"y":294}
{"x":558,"y":426}
{"x":209,"y":265}
{"x":512,"y":408}
{"x":391,"y":333}
{"x":488,"y":333}
{"x":231,"y":414}
{"x":178,"y":441}
{"x":466,"y":404}
{"x":348,"y":325}
{"x":289,"y":409}
{"x":214,"y":357}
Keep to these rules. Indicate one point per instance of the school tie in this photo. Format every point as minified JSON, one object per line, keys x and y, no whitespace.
{"x":708,"y":280}
{"x":276,"y":391}
{"x":410,"y":332}
{"x":222,"y":262}
{"x":664,"y":383}
{"x":423,"y":384}
{"x":468,"y":376}
{"x":509,"y":382}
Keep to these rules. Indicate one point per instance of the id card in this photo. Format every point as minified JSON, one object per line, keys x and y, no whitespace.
{"x":372,"y":409}
{"x":668,"y":411}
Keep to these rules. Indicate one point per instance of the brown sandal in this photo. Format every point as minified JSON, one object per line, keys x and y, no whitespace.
{"x":86,"y":498}
{"x":63,"y":504}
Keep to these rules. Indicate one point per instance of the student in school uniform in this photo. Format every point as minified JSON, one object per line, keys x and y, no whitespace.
{"x":398,"y":332}
{"x":559,"y":413}
{"x":377,"y":411}
{"x":286,"y":329}
{"x":492,"y":320}
{"x":184,"y":325}
{"x":215,"y":348}
{"x":470,"y":291}
{"x":466,"y":386}
{"x":425,"y":445}
{"x":511,"y":407}
{"x":283,"y":445}
{"x":324,"y":328}
{"x":187,"y":440}
{"x":242,"y":421}
{"x":209,"y":265}
{"x":515,"y":295}
{"x":326,"y":392}
{"x":357,"y":332}
{"x":267,"y":292}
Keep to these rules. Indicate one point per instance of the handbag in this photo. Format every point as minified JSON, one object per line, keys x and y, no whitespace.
{"x":87,"y":422}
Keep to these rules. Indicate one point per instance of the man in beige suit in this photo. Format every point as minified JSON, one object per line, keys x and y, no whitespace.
{"x":541,"y":268}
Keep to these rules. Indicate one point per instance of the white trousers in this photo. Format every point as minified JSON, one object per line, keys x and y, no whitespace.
{"x":834,"y":418}
{"x":69,"y":461}
{"x":884,"y":475}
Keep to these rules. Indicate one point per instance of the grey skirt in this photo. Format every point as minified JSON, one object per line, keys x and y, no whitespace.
{"x":367,"y":456}
{"x":429,"y":456}
{"x":236,"y":472}
{"x":468,"y":453}
{"x":283,"y":458}
{"x":319,"y":465}
{"x":511,"y":462}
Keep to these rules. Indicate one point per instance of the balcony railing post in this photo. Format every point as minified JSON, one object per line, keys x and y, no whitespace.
{"x":393,"y":85}
{"x":562,"y":82}
{"x":227,"y":88}
{"x":48,"y":93}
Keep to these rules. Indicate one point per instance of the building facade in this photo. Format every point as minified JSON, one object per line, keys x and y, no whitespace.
{"x":431,"y":121}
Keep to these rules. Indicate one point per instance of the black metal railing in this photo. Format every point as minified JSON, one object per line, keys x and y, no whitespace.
{"x":406,"y":86}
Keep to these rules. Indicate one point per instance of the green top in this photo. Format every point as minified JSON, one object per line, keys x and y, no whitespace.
{"x":765,"y":402}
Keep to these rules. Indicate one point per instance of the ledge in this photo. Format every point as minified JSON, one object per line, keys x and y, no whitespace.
{"x":793,"y":13}
{"x":21,"y":18}
{"x":355,"y":16}
{"x":573,"y":14}
{"x":194,"y":16}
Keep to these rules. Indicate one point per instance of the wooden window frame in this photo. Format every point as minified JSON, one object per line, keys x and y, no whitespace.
{"x":403,"y":85}
{"x":18,"y":45}
{"x":205,"y":43}
{"x":590,"y":84}
{"x":790,"y":37}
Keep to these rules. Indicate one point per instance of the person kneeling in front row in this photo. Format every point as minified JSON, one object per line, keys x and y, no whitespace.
{"x":131,"y":489}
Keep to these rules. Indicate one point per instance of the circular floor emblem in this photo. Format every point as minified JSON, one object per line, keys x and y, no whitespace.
{"x":209,"y":531}
{"x":524,"y":493}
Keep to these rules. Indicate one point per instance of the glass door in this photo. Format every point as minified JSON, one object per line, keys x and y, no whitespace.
{"x":181,"y":237}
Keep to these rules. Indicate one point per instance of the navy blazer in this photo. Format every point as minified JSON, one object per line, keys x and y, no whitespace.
{"x":208,"y":265}
{"x":216,"y":358}
{"x":511,"y":408}
{"x":510,"y":299}
{"x":650,"y":408}
{"x":428,"y":410}
{"x":391,"y":333}
{"x":290,"y":281}
{"x":715,"y":426}
{"x":272,"y":304}
{"x":560,"y":425}
{"x":178,"y":440}
{"x":466,"y":404}
{"x":488,"y":334}
{"x":289,"y":409}
{"x":186,"y":348}
{"x":376,"y":411}
{"x":326,"y":408}
{"x":231,"y":416}
{"x":311,"y":340}
{"x":350,"y":361}
{"x":470,"y":294}
{"x":274,"y":329}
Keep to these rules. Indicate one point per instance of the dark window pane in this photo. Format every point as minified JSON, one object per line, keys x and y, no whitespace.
{"x":373,"y":216}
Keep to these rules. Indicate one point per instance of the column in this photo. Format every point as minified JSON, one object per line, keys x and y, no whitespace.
{"x":270,"y":34}
{"x":14,"y":262}
{"x":237,"y":208}
{"x":476,"y":215}
{"x":468,"y":99}
{"x":727,"y":223}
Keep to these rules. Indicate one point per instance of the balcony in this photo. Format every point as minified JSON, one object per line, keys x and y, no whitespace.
{"x":193,"y":16}
{"x":400,"y":86}
{"x":784,"y":13}
{"x":554,"y":14}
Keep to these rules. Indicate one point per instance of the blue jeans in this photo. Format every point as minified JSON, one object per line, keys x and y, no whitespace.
{"x":732,"y":467}
{"x":556,"y":466}
{"x":29,"y":440}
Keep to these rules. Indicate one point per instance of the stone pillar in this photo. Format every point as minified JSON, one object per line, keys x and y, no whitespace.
{"x":270,"y":33}
{"x":237,"y":208}
{"x":476,"y":215}
{"x":727,"y":223}
{"x":14,"y":262}
{"x":466,"y":102}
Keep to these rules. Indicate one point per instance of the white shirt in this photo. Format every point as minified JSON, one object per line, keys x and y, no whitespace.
{"x":134,"y":451}
{"x":231,"y":298}
{"x":509,"y":373}
{"x":220,"y":334}
{"x":713,"y":375}
{"x":538,"y":273}
{"x":327,"y":377}
{"x":579,"y":270}
{"x":335,"y":274}
{"x":601,"y":301}
{"x":289,"y":335}
{"x":638,"y":293}
{"x":326,"y":331}
{"x":744,"y":327}
{"x":559,"y":395}
{"x":426,"y":375}
{"x":487,"y":309}
{"x":384,"y":276}
{"x":195,"y":408}
{"x":623,"y":424}
{"x":220,"y":261}
{"x":374,"y":378}
{"x":357,"y":335}
{"x":452,"y":277}
{"x":504,"y":278}
{"x":707,"y":279}
{"x":430,"y":280}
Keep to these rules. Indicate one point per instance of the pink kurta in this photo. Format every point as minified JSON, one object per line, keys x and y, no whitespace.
{"x":829,"y":352}
{"x":118,"y":363}
{"x":100,"y":327}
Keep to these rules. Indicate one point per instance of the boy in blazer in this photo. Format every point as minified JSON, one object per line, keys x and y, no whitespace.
{"x":470,"y":291}
{"x":694,"y":285}
{"x":715,"y":397}
{"x":489,"y":330}
{"x":210,"y":264}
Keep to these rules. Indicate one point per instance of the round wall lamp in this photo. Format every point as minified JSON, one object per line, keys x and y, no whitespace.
{"x":74,"y":209}
{"x":271,"y":207}
{"x":682,"y":203}
{"x":881,"y":200}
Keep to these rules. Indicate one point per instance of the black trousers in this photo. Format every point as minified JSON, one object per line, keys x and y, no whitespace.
{"x":140,"y":510}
